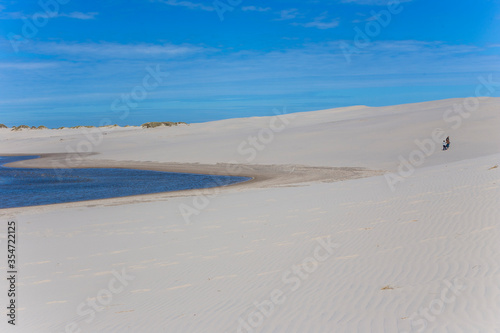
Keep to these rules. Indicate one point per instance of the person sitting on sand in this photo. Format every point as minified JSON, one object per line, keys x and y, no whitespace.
{"x":446,"y":143}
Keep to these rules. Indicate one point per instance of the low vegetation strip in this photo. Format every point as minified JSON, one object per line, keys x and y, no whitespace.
{"x":164,"y":123}
{"x":145,"y":125}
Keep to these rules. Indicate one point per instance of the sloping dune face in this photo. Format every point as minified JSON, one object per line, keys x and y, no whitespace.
{"x":354,"y":136}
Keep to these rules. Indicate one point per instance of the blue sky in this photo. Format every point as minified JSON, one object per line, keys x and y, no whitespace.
{"x":69,"y":62}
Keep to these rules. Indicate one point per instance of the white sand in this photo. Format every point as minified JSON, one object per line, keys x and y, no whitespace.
{"x":422,"y":258}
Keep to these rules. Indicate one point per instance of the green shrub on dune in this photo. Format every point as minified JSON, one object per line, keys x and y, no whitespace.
{"x":20,"y":127}
{"x":80,"y":126}
{"x":154,"y":124}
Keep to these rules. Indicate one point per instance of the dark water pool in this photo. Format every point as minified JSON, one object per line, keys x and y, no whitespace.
{"x":21,"y":187}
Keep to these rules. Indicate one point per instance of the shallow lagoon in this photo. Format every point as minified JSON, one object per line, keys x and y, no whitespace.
{"x":21,"y":187}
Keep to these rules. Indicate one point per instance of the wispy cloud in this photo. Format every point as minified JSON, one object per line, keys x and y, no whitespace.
{"x":364,"y":18}
{"x":373,"y":2}
{"x":255,"y":9}
{"x":288,"y":14}
{"x":188,"y":4}
{"x":321,"y":22}
{"x":27,"y":65}
{"x":420,"y":47}
{"x":112,"y":50}
{"x":11,"y":15}
{"x":79,"y":15}
{"x":74,"y":15}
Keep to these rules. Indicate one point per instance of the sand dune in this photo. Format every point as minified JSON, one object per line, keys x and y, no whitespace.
{"x":354,"y":136}
{"x":355,"y":255}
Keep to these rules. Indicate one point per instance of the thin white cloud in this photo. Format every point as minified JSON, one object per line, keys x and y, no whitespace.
{"x":255,"y":9}
{"x":365,"y":19}
{"x":74,"y":15}
{"x":288,"y":14}
{"x":415,"y":46}
{"x":11,"y":15}
{"x":79,"y":15}
{"x":27,"y":65}
{"x":112,"y":50}
{"x":321,"y":22}
{"x":188,"y":4}
{"x":374,"y":2}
